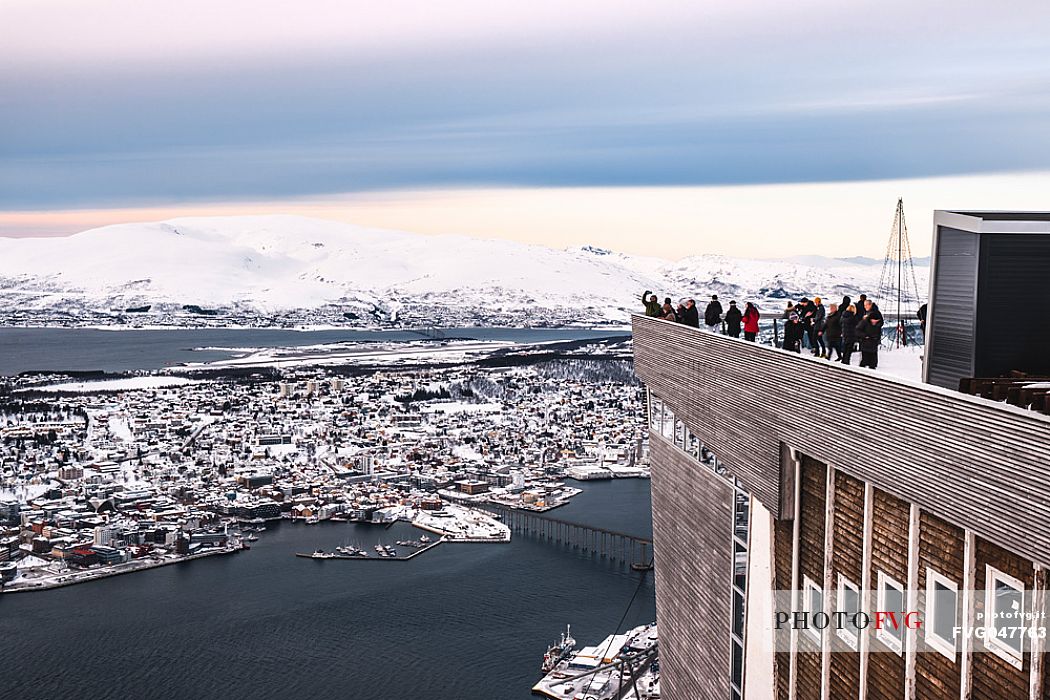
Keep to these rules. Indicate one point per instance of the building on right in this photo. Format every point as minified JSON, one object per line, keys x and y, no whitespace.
{"x":988,"y":295}
{"x":823,"y":531}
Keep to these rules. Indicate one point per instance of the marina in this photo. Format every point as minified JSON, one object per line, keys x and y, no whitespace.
{"x":383,"y":552}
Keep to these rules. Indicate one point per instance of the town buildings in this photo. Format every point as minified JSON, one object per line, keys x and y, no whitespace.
{"x":99,"y":479}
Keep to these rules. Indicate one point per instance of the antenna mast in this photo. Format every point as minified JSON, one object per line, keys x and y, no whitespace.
{"x":898,"y":282}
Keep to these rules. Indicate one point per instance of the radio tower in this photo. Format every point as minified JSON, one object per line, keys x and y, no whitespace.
{"x":897,"y":284}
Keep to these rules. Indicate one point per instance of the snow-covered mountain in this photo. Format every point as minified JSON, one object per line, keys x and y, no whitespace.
{"x":290,"y":269}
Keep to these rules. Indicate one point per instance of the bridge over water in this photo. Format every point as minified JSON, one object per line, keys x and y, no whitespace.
{"x":603,"y":543}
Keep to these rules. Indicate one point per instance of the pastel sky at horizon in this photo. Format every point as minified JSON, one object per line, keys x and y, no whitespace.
{"x":745,"y":127}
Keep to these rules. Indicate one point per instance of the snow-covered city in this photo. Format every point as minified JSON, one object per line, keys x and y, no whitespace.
{"x":119,"y":475}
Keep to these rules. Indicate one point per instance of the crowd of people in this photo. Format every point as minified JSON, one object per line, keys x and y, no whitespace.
{"x":834,"y":332}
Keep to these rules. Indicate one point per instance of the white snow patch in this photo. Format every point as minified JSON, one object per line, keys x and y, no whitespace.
{"x":126,"y":384}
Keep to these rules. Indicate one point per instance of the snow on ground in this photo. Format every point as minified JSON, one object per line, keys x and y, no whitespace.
{"x":462,"y":407}
{"x":361,"y":353}
{"x":126,"y":384}
{"x":903,"y":363}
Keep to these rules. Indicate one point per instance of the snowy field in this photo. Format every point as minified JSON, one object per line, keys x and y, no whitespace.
{"x":125,"y":384}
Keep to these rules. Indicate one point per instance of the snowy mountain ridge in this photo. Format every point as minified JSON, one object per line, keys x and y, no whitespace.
{"x":289,"y":269}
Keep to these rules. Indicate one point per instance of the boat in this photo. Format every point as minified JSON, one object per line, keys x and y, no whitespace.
{"x":557,"y":652}
{"x":424,"y":539}
{"x":253,"y":538}
{"x":640,"y":566}
{"x":321,"y":554}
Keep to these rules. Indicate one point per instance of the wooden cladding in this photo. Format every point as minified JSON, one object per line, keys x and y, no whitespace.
{"x":966,"y":460}
{"x":942,"y":548}
{"x":692,"y":537}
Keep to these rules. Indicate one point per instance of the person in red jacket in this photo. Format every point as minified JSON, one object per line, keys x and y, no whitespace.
{"x":750,"y":322}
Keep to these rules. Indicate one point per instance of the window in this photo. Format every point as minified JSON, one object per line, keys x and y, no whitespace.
{"x":741,"y":521}
{"x":942,"y":613}
{"x":667,"y":429}
{"x":693,"y":447}
{"x":849,"y":603}
{"x":812,"y":603}
{"x":891,"y":600}
{"x":1004,"y":616}
{"x":656,"y":416}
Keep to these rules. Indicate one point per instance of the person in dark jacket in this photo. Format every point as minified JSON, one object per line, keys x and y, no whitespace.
{"x":793,"y":332}
{"x":869,"y":335}
{"x":751,"y":317}
{"x":816,"y":329}
{"x":713,"y":314}
{"x":652,"y":306}
{"x":790,"y":309}
{"x":921,"y":315}
{"x":833,"y":332}
{"x":733,"y":320}
{"x":848,"y":322}
{"x":805,"y":317}
{"x":690,"y":315}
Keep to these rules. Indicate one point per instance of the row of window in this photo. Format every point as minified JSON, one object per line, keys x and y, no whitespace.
{"x":1004,"y":606}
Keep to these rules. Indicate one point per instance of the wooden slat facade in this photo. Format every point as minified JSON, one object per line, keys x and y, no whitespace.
{"x":847,"y":559}
{"x":695,"y":534}
{"x":993,"y":678}
{"x":970,"y":461}
{"x":811,"y":530}
{"x":942,"y":548}
{"x":889,"y":554}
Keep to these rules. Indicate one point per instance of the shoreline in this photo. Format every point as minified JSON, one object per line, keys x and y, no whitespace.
{"x":99,"y":574}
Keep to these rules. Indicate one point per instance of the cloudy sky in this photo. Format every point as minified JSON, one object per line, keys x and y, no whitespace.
{"x":719,"y":125}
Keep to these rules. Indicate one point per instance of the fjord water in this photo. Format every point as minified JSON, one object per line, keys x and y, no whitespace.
{"x":460,"y":622}
{"x":88,"y":349}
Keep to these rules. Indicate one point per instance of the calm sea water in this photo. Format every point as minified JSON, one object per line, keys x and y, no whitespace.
{"x":84,"y":349}
{"x":461,"y":622}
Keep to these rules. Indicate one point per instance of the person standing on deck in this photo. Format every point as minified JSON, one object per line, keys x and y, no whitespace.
{"x":793,"y":332}
{"x":667,"y":312}
{"x":833,"y":332}
{"x":869,"y":331}
{"x":690,"y":314}
{"x":751,"y":317}
{"x":848,"y":321}
{"x":652,"y":306}
{"x":733,"y":319}
{"x":805,"y":312}
{"x":861,"y":310}
{"x":713,"y":314}
{"x":816,"y":331}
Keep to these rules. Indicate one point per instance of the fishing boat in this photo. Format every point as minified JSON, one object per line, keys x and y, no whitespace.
{"x":557,"y":652}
